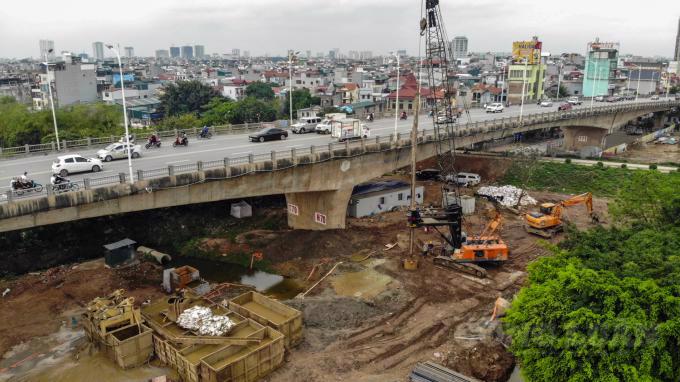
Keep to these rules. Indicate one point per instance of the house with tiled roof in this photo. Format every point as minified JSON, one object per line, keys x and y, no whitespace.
{"x":483,"y":94}
{"x":350,"y":93}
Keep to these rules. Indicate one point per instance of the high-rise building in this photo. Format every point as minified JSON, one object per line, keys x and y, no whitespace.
{"x":331,"y":54}
{"x":45,"y":47}
{"x":677,"y":43}
{"x":187,"y":52}
{"x":366,"y":55}
{"x":236,"y":52}
{"x":129,"y":51}
{"x":459,"y":47}
{"x":98,"y":50}
{"x":600,"y":69}
{"x":402,"y":53}
{"x":199,"y":51}
{"x":246,"y":53}
{"x":308,"y":54}
{"x":162,"y":53}
{"x":174,"y":51}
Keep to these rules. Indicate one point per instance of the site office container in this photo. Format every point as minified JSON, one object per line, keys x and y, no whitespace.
{"x":244,"y":363}
{"x":271,"y":313}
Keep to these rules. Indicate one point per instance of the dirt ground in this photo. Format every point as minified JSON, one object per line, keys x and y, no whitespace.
{"x":370,"y":320}
{"x":652,"y":153}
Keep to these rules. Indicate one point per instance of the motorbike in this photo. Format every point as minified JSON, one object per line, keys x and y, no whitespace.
{"x":64,"y":186}
{"x":206,"y":135}
{"x":155,"y":144}
{"x":403,"y":116}
{"x":123,"y":140}
{"x":181,"y":142}
{"x":20,"y":187}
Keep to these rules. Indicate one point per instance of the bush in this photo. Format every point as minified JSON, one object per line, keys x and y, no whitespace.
{"x":567,"y":161}
{"x":599,"y":164}
{"x":652,"y":166}
{"x":623,"y":165}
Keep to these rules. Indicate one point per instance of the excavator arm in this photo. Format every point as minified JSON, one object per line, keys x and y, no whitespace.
{"x":586,"y":199}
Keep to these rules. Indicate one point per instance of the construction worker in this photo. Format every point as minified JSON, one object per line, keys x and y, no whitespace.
{"x":427,"y":248}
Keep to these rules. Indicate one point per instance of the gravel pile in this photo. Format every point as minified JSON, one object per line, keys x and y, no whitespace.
{"x":506,"y":195}
{"x":203,"y":321}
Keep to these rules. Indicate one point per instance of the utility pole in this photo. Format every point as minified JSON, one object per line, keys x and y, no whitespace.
{"x":524,"y":83}
{"x":592,"y":95}
{"x":414,"y":145}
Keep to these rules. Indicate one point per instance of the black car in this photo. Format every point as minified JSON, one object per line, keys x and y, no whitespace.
{"x":268,"y":134}
{"x":428,"y":174}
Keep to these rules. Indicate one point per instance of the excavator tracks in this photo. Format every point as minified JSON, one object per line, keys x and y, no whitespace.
{"x":469,"y":268}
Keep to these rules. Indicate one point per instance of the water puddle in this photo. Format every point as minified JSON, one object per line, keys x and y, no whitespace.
{"x":270,"y":284}
{"x":366,"y":283}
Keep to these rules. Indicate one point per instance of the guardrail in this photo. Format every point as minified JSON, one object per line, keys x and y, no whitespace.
{"x":428,"y":135}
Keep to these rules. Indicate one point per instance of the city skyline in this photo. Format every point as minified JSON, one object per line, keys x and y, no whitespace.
{"x":490,"y":25}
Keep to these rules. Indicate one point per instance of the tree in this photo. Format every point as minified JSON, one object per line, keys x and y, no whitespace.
{"x":606,"y":307}
{"x":251,"y":109}
{"x":218,"y":111}
{"x":260,"y":90}
{"x":180,"y":122}
{"x":301,"y":99}
{"x":186,"y":97}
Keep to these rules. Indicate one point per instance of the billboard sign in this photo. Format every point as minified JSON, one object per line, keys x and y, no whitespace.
{"x":529,"y":50}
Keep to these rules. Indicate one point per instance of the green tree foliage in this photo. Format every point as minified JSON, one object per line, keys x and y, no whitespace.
{"x":180,"y":122}
{"x":186,"y":97}
{"x":606,"y":307}
{"x":19,"y":125}
{"x":301,"y":99}
{"x":218,"y":112}
{"x":260,"y":90}
{"x":251,"y":109}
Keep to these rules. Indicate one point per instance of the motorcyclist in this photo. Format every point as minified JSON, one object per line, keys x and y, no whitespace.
{"x":58,"y":180}
{"x":181,"y":138}
{"x":205,"y":131}
{"x":23,"y":179}
{"x":403,"y":115}
{"x":153,"y":139}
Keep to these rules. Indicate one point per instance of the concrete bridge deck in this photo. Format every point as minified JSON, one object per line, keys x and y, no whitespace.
{"x":316,"y":180}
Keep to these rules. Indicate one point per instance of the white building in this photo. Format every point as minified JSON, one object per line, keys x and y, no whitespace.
{"x":129,"y":51}
{"x":98,"y":50}
{"x":369,"y":199}
{"x":45,"y":47}
{"x":459,"y":46}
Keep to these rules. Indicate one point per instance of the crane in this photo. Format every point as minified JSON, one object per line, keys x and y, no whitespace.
{"x":548,"y":220}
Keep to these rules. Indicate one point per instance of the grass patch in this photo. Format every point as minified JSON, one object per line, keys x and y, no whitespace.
{"x":571,"y":178}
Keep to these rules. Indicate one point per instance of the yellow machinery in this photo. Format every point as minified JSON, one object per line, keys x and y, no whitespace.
{"x":548,"y":221}
{"x":112,"y":312}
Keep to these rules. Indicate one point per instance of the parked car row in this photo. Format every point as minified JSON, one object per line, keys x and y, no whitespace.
{"x":465,"y":179}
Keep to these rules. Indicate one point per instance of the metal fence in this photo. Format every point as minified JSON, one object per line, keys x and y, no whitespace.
{"x":337,"y":149}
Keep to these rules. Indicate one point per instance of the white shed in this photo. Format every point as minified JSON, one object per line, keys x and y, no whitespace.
{"x":374,"y":198}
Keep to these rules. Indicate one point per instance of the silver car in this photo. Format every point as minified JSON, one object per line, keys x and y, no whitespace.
{"x":118,"y":151}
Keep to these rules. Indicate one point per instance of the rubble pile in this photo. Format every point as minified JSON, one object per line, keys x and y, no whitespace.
{"x":203,"y":321}
{"x":506,"y":195}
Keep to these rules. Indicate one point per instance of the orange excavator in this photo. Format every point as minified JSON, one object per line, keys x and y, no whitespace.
{"x":465,"y":253}
{"x":548,"y":220}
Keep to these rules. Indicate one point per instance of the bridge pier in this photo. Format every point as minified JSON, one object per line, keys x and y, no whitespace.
{"x":579,"y":137}
{"x":319,"y":210}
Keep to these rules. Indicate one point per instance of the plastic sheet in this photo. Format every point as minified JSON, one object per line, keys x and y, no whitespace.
{"x":506,"y":195}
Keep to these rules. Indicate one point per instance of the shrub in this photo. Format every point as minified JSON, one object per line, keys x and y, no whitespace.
{"x":568,"y":160}
{"x":652,"y":166}
{"x":623,"y":165}
{"x":599,"y":164}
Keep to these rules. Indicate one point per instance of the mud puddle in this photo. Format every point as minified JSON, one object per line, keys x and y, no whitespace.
{"x":270,"y":284}
{"x":366,"y":283}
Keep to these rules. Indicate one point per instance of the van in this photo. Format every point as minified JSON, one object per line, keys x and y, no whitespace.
{"x":305,"y":125}
{"x":467,"y":179}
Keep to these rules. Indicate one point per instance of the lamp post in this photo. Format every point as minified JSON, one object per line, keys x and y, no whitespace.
{"x":127,"y":132}
{"x":291,"y":57}
{"x":396,"y":103}
{"x":49,"y":87}
{"x":524,"y":85}
{"x":668,"y":79}
{"x":592,"y":95}
{"x":637,"y":89}
{"x":559,"y":77}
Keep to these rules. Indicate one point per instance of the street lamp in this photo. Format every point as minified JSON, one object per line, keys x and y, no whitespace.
{"x":291,"y":57}
{"x":592,"y":95}
{"x":524,"y":85}
{"x":127,"y":132}
{"x":396,"y":103}
{"x":49,"y":87}
{"x":637,"y":89}
{"x":559,"y":77}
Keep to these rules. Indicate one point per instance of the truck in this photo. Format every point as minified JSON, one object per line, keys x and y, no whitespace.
{"x":325,"y":126}
{"x":348,"y":129}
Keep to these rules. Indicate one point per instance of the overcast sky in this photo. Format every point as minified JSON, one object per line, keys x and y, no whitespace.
{"x":272,"y":26}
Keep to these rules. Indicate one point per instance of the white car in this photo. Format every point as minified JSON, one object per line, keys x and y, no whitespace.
{"x":494,"y":108}
{"x":574,"y":101}
{"x":68,"y":164}
{"x":655,"y":97}
{"x":118,"y":151}
{"x":546,"y":103}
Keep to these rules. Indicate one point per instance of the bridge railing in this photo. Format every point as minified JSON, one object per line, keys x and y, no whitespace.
{"x":368,"y":145}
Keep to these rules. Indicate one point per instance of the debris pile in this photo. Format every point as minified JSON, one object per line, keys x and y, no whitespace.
{"x":506,"y":195}
{"x":202,"y":320}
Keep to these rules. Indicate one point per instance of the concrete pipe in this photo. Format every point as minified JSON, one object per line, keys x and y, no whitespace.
{"x":161,"y":258}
